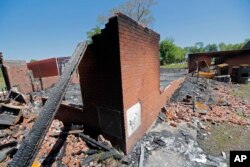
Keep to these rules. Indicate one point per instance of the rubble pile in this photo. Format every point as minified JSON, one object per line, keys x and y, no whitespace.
{"x":72,"y":95}
{"x":208,"y":100}
{"x":197,"y":101}
{"x":193,"y":108}
{"x":180,"y":142}
{"x":62,"y":145}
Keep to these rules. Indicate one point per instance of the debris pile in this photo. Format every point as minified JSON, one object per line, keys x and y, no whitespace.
{"x":198,"y":100}
{"x":192,"y":110}
{"x":62,"y":146}
{"x":208,"y":100}
{"x":72,"y":95}
{"x":163,"y":141}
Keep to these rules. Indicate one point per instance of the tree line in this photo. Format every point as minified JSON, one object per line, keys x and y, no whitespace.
{"x":171,"y":53}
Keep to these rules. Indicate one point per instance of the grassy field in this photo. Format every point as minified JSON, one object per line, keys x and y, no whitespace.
{"x":177,"y":65}
{"x":243,"y":91}
{"x":226,"y":137}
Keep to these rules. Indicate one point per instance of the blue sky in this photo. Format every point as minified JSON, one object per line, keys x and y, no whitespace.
{"x":38,"y":29}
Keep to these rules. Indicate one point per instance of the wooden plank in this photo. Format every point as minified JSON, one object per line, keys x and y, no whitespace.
{"x":141,"y":156}
{"x":9,"y":105}
{"x":94,"y":142}
{"x":56,"y":134}
{"x":6,"y":119}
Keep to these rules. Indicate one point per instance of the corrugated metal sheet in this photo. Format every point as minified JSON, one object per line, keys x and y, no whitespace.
{"x":44,"y":68}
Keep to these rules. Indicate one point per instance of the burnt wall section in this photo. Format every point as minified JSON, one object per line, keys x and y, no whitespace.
{"x":193,"y":60}
{"x":232,"y":58}
{"x":120,"y":82}
{"x":17,"y":75}
{"x":47,"y":72}
{"x":100,"y":80}
{"x":44,"y":74}
{"x":236,"y":61}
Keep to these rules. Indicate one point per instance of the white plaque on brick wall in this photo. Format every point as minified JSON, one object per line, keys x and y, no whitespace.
{"x":133,"y":118}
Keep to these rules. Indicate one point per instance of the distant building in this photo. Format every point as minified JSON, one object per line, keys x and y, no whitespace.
{"x":237,"y":62}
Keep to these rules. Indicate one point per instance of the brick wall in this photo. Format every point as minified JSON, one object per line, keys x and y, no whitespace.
{"x":100,"y":80}
{"x":139,"y":53}
{"x":120,"y":82}
{"x":17,"y":75}
{"x":49,"y":82}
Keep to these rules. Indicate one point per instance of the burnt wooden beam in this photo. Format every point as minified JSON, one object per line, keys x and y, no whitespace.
{"x":10,"y":144}
{"x":32,"y":142}
{"x":94,"y":142}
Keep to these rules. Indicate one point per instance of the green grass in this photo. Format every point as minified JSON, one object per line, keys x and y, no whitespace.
{"x":243,"y":91}
{"x":176,"y":65}
{"x":2,"y":83}
{"x":226,"y":137}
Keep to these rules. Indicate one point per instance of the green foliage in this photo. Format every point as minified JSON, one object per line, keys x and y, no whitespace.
{"x":223,"y":46}
{"x":2,"y":82}
{"x":199,"y":47}
{"x":175,"y":65}
{"x":211,"y":48}
{"x":170,"y":53}
{"x":92,"y":32}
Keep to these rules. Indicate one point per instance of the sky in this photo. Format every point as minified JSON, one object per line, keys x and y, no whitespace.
{"x":39,"y":29}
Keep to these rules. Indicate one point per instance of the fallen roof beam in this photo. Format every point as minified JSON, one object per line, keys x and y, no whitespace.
{"x":94,"y":142}
{"x":31,"y":144}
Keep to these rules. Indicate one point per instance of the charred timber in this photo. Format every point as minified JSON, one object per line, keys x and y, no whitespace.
{"x":32,"y":142}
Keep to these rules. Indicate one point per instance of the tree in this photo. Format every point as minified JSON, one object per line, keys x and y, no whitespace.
{"x":167,"y":51}
{"x":211,"y":48}
{"x":222,"y":46}
{"x":170,"y":53}
{"x":179,"y":54}
{"x":138,"y":10}
{"x":199,"y":46}
{"x":92,"y":32}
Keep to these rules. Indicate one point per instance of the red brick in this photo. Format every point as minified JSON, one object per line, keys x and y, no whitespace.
{"x":17,"y":75}
{"x":120,"y":69}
